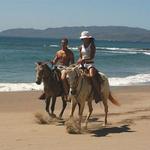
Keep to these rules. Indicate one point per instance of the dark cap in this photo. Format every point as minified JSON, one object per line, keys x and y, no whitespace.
{"x":64,"y":40}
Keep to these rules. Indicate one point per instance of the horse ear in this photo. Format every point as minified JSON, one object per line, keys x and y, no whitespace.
{"x":44,"y":63}
{"x":38,"y":63}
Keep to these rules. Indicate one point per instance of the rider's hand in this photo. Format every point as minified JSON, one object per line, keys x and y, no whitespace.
{"x":52,"y":62}
{"x":81,"y":61}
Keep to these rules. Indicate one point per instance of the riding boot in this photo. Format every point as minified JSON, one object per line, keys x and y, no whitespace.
{"x":65,"y":89}
{"x":43,"y":96}
{"x":97,"y":89}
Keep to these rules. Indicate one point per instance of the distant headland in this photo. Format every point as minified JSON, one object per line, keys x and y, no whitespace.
{"x":108,"y":33}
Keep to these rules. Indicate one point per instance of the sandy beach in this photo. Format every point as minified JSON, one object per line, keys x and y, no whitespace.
{"x":128,"y":125}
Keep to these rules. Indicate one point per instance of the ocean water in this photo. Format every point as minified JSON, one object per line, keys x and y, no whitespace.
{"x":125,"y":63}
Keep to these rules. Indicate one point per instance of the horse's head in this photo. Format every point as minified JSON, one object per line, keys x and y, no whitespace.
{"x":72,"y":75}
{"x":40,"y":69}
{"x":39,"y":72}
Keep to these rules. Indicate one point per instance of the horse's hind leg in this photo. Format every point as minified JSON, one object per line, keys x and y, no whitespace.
{"x":47,"y":105}
{"x":106,"y":110}
{"x":89,"y":113}
{"x":64,"y":106}
{"x":53,"y":106}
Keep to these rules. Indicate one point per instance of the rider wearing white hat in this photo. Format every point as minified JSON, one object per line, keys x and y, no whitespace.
{"x":87,"y":53}
{"x":87,"y":50}
{"x":85,"y":34}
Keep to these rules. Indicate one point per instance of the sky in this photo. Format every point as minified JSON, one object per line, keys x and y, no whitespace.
{"x":42,"y":14}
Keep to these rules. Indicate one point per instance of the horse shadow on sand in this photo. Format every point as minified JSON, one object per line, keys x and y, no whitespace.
{"x":105,"y":131}
{"x":122,"y":126}
{"x":98,"y":130}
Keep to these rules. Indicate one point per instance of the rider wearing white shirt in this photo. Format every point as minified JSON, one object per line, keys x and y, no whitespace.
{"x":87,"y":53}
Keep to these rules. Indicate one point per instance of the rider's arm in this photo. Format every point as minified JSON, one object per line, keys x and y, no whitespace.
{"x":55,"y":60}
{"x":92,"y":52}
{"x":80,"y":55}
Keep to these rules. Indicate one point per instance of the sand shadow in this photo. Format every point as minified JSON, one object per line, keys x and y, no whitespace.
{"x":102,"y":132}
{"x":94,"y":119}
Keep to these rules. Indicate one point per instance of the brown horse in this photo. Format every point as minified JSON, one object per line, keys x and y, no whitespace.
{"x":52,"y":86}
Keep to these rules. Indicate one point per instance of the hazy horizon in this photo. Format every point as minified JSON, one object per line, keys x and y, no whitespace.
{"x":42,"y":14}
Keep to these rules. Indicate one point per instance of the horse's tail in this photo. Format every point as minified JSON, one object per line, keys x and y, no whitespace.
{"x":113,"y":100}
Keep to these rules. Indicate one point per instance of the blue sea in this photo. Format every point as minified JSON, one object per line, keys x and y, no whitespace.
{"x":125,"y":63}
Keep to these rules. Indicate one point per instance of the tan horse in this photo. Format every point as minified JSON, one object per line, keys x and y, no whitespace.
{"x":81,"y":91}
{"x":52,"y":86}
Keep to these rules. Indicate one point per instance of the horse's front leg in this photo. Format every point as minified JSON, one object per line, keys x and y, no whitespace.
{"x":73,"y":106}
{"x":64,"y":106}
{"x":53,"y":106}
{"x":89,"y":113}
{"x":81,"y":108}
{"x":47,"y":101}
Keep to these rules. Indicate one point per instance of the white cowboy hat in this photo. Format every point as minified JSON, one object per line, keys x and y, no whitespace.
{"x":85,"y":34}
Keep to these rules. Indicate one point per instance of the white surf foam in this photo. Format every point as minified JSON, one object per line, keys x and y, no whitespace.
{"x":116,"y":81}
{"x":147,"y":53}
{"x":130,"y":80}
{"x":124,"y":50}
{"x":53,"y":45}
{"x":73,"y":48}
{"x":7,"y":87}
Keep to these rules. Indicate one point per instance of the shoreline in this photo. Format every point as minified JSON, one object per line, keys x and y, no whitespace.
{"x":111,"y":87}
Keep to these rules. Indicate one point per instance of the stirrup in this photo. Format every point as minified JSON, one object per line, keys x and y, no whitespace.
{"x":97,"y":98}
{"x":42,"y":97}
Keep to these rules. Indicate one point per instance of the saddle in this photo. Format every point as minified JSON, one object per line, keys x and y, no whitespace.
{"x":57,"y":74}
{"x":57,"y":77}
{"x":97,"y":76}
{"x":62,"y":84}
{"x":97,"y":82}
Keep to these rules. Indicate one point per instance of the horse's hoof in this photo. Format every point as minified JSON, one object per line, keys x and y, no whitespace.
{"x":85,"y":128}
{"x":60,"y":117}
{"x":53,"y":115}
{"x":105,"y":124}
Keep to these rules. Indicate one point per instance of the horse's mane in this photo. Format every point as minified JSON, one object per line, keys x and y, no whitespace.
{"x":45,"y":65}
{"x":48,"y":70}
{"x":84,"y":83}
{"x":56,"y":74}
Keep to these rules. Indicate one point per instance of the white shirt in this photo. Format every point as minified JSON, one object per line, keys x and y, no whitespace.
{"x":86,"y":52}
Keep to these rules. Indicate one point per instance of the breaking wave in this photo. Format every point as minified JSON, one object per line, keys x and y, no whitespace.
{"x":115,"y":81}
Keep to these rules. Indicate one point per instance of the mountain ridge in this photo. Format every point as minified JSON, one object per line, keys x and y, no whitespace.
{"x":109,"y":33}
